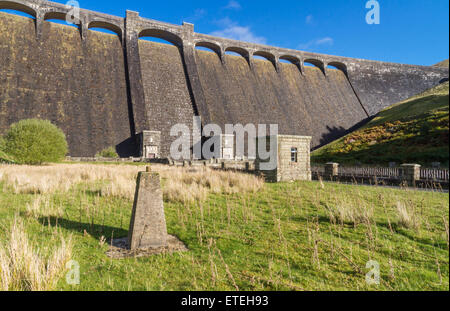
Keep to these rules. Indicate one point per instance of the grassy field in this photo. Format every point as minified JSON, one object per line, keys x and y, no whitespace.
{"x":414,"y":131}
{"x":242,"y":234}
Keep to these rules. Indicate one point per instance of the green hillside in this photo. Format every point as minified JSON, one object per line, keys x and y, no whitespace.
{"x":416,"y":130}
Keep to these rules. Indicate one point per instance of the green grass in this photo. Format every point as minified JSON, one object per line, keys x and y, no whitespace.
{"x":281,"y":238}
{"x":416,"y":130}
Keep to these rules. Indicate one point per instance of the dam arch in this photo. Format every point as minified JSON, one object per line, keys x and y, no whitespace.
{"x":18,"y":6}
{"x":210,"y":46}
{"x":161,"y":34}
{"x":61,"y":17}
{"x":240,"y":51}
{"x":294,"y":60}
{"x":338,"y":66}
{"x":108,"y":26}
{"x":316,"y":63}
{"x":268,"y":56}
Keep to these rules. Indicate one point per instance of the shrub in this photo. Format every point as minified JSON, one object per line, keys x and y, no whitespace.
{"x":109,"y":152}
{"x":35,"y":141}
{"x":4,"y":158}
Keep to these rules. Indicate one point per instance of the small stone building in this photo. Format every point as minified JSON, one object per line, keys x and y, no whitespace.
{"x":293,"y":158}
{"x":150,"y":145}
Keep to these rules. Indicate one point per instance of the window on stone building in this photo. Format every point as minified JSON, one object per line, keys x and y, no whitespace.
{"x":294,"y":155}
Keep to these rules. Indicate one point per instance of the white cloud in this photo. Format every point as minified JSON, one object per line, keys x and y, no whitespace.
{"x":233,"y":30}
{"x":327,"y":40}
{"x":318,"y":42}
{"x":198,"y":14}
{"x":233,"y":5}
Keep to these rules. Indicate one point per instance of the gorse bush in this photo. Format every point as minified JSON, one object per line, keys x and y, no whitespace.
{"x":34,"y":142}
{"x":109,"y":152}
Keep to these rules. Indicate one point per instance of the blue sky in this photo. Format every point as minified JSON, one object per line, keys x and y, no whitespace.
{"x":410,"y":31}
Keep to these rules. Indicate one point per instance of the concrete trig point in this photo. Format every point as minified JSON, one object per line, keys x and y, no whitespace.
{"x":148,"y":222}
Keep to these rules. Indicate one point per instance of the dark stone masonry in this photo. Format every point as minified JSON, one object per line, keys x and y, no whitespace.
{"x":104,"y":90}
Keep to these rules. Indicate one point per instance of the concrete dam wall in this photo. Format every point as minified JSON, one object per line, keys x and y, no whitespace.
{"x":102,"y":89}
{"x":81,"y":88}
{"x":311,"y":104}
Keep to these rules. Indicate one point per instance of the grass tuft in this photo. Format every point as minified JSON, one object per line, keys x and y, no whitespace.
{"x":24,"y":267}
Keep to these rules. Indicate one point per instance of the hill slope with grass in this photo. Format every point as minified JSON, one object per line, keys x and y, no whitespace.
{"x":443,"y":64}
{"x":413,"y":131}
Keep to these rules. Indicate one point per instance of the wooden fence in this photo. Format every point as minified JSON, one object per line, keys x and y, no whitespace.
{"x":426,"y":174}
{"x":434,"y":174}
{"x":380,"y":172}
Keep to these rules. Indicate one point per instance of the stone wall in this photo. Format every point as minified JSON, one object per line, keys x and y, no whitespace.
{"x":167,"y":98}
{"x":80,"y":87}
{"x":310,"y":104}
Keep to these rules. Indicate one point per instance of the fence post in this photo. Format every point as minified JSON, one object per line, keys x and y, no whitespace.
{"x":331,"y":170}
{"x":411,"y":173}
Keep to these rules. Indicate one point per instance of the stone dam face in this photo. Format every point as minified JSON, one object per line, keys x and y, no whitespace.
{"x":80,"y":88}
{"x":102,"y":89}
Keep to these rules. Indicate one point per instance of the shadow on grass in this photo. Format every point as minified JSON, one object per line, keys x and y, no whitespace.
{"x":408,"y":234}
{"x":95,"y":230}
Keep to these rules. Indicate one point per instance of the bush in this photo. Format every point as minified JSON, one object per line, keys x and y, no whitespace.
{"x":109,"y":152}
{"x":4,"y":158}
{"x":35,"y":142}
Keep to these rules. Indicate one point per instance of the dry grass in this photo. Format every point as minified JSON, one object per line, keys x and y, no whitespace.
{"x":346,"y":212}
{"x":407,"y":216}
{"x":180,"y":184}
{"x":43,"y":206}
{"x":190,"y":185}
{"x":24,"y":267}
